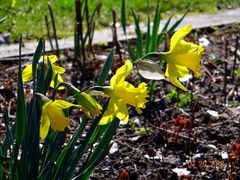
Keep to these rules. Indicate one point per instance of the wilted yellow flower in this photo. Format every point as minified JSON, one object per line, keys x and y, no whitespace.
{"x":52,"y":114}
{"x":88,"y":104}
{"x":27,"y":72}
{"x":181,"y":57}
{"x":122,"y":93}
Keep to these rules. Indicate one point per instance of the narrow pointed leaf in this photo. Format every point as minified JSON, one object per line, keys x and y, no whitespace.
{"x":106,"y":68}
{"x":123,"y":17}
{"x":21,"y":114}
{"x":35,"y":61}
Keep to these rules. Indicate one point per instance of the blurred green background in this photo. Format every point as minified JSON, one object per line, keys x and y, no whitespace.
{"x":27,"y":17}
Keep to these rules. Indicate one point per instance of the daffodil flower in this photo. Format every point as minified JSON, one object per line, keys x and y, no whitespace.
{"x":27,"y":72}
{"x":53,"y":115}
{"x":13,"y":3}
{"x":181,"y":57}
{"x":122,"y":93}
{"x":88,"y":104}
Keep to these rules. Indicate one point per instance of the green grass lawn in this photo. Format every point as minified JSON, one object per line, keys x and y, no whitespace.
{"x":27,"y":17}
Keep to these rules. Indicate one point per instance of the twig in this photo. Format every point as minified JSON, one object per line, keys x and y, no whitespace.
{"x":54,"y":29}
{"x":235,"y":57}
{"x":48,"y":33}
{"x":81,"y":34}
{"x":78,"y":30}
{"x":225,"y":73}
{"x":115,"y":38}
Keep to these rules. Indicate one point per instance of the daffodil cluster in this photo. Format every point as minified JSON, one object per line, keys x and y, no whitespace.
{"x":120,"y":93}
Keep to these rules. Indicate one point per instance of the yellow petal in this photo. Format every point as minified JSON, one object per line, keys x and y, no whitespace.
{"x":44,"y":122}
{"x":191,"y":60}
{"x":58,"y":69}
{"x":59,"y":80}
{"x":27,"y":73}
{"x":179,"y":35}
{"x":175,"y":82}
{"x":133,"y":96}
{"x":57,"y":118}
{"x":106,"y":118}
{"x":52,"y":58}
{"x":122,"y":111}
{"x":174,"y":71}
{"x":184,"y":47}
{"x":109,"y":113}
{"x":121,"y":73}
{"x":61,"y":104}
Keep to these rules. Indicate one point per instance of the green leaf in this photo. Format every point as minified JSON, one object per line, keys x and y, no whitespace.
{"x":79,"y":152}
{"x":9,"y":138}
{"x":87,"y":172}
{"x":139,"y":51}
{"x":148,"y":37}
{"x":65,"y":156}
{"x":160,"y":37}
{"x":123,"y":17}
{"x":21,"y":114}
{"x":156,"y":23}
{"x":130,"y":52}
{"x":35,"y":60}
{"x":175,"y":25}
{"x":106,"y":68}
{"x":49,"y":77}
{"x":40,"y":79}
{"x":151,"y":89}
{"x":102,"y":145}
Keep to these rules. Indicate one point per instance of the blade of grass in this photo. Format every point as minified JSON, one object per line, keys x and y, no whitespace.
{"x":156,"y":23}
{"x":161,"y":35}
{"x":123,"y":17}
{"x":130,"y":52}
{"x":139,"y":51}
{"x":175,"y":25}
{"x":148,"y":37}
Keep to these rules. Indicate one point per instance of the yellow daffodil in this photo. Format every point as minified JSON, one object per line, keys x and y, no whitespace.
{"x":181,"y":57}
{"x":52,"y":114}
{"x":13,"y":3}
{"x":27,"y":72}
{"x":122,"y":93}
{"x":89,"y":105}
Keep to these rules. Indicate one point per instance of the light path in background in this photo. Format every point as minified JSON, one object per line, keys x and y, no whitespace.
{"x":7,"y":52}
